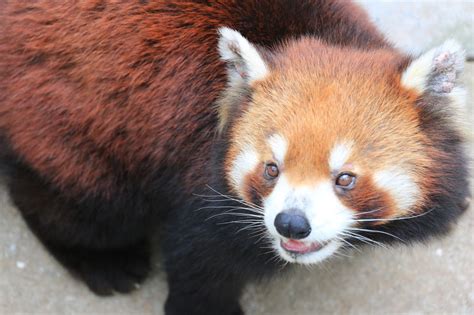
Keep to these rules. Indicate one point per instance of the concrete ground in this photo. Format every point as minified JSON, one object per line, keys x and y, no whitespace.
{"x":424,"y":279}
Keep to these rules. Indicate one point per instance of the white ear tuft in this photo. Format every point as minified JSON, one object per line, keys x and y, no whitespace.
{"x":245,"y":63}
{"x":437,"y":70}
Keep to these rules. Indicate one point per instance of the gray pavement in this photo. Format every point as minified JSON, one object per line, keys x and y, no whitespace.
{"x":417,"y":25}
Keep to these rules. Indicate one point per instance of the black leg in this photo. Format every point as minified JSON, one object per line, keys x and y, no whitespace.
{"x":211,"y":297}
{"x":205,"y":277}
{"x":105,"y":247}
{"x":106,"y":271}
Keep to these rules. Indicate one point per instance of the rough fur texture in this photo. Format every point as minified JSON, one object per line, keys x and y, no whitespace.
{"x":108,"y":126}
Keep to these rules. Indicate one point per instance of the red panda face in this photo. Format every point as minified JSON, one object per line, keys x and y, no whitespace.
{"x":330,"y":141}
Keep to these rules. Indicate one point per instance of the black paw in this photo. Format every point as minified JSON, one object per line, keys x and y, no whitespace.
{"x":109,"y":271}
{"x":200,"y":305}
{"x":114,"y":272}
{"x":238,"y":311}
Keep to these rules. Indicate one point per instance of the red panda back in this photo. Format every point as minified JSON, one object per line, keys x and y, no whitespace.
{"x":94,"y":91}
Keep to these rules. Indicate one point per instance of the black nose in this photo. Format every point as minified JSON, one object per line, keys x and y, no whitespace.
{"x":292,"y":224}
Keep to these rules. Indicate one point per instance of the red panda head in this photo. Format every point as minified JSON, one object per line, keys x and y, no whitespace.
{"x":331,"y":141}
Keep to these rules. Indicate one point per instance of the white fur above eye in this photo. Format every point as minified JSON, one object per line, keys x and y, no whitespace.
{"x":339,"y":155}
{"x":245,"y":63}
{"x":437,"y":70}
{"x":279,"y":146}
{"x":243,"y":164}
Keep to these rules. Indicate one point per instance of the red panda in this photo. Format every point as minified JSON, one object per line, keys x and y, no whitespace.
{"x":234,"y":125}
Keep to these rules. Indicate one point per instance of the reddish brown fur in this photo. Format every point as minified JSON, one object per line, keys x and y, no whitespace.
{"x":256,"y":186}
{"x":368,"y":198}
{"x":94,"y":86}
{"x":316,"y":96}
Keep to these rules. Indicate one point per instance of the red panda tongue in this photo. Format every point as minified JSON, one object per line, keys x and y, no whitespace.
{"x":300,"y":247}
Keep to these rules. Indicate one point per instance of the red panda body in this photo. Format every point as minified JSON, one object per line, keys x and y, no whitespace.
{"x":107,"y":74}
{"x":108,"y":123}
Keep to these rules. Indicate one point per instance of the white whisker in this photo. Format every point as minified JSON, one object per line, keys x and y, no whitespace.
{"x":376,"y":231}
{"x":235,"y":214}
{"x":241,"y":222}
{"x":230,"y":208}
{"x":250,"y":204}
{"x":363,"y":239}
{"x":394,"y":219}
{"x":348,"y":243}
{"x":245,"y":228}
{"x":368,"y":212}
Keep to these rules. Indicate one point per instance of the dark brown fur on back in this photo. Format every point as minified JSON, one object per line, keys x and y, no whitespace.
{"x":104,"y":91}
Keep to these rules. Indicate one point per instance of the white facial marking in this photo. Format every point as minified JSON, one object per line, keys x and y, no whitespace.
{"x":243,"y":164}
{"x":279,"y":146}
{"x":437,"y":69}
{"x":311,"y":258}
{"x":275,"y":203}
{"x":236,"y":49}
{"x":326,"y":214}
{"x":399,"y":185}
{"x":339,"y":155}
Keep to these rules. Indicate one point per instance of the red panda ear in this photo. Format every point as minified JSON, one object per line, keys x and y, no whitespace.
{"x":245,"y":64}
{"x":436,"y":71}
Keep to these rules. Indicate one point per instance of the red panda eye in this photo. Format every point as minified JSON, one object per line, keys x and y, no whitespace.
{"x":345,"y":180}
{"x":271,"y":171}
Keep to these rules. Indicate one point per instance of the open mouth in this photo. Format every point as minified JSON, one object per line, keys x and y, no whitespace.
{"x":295,"y":247}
